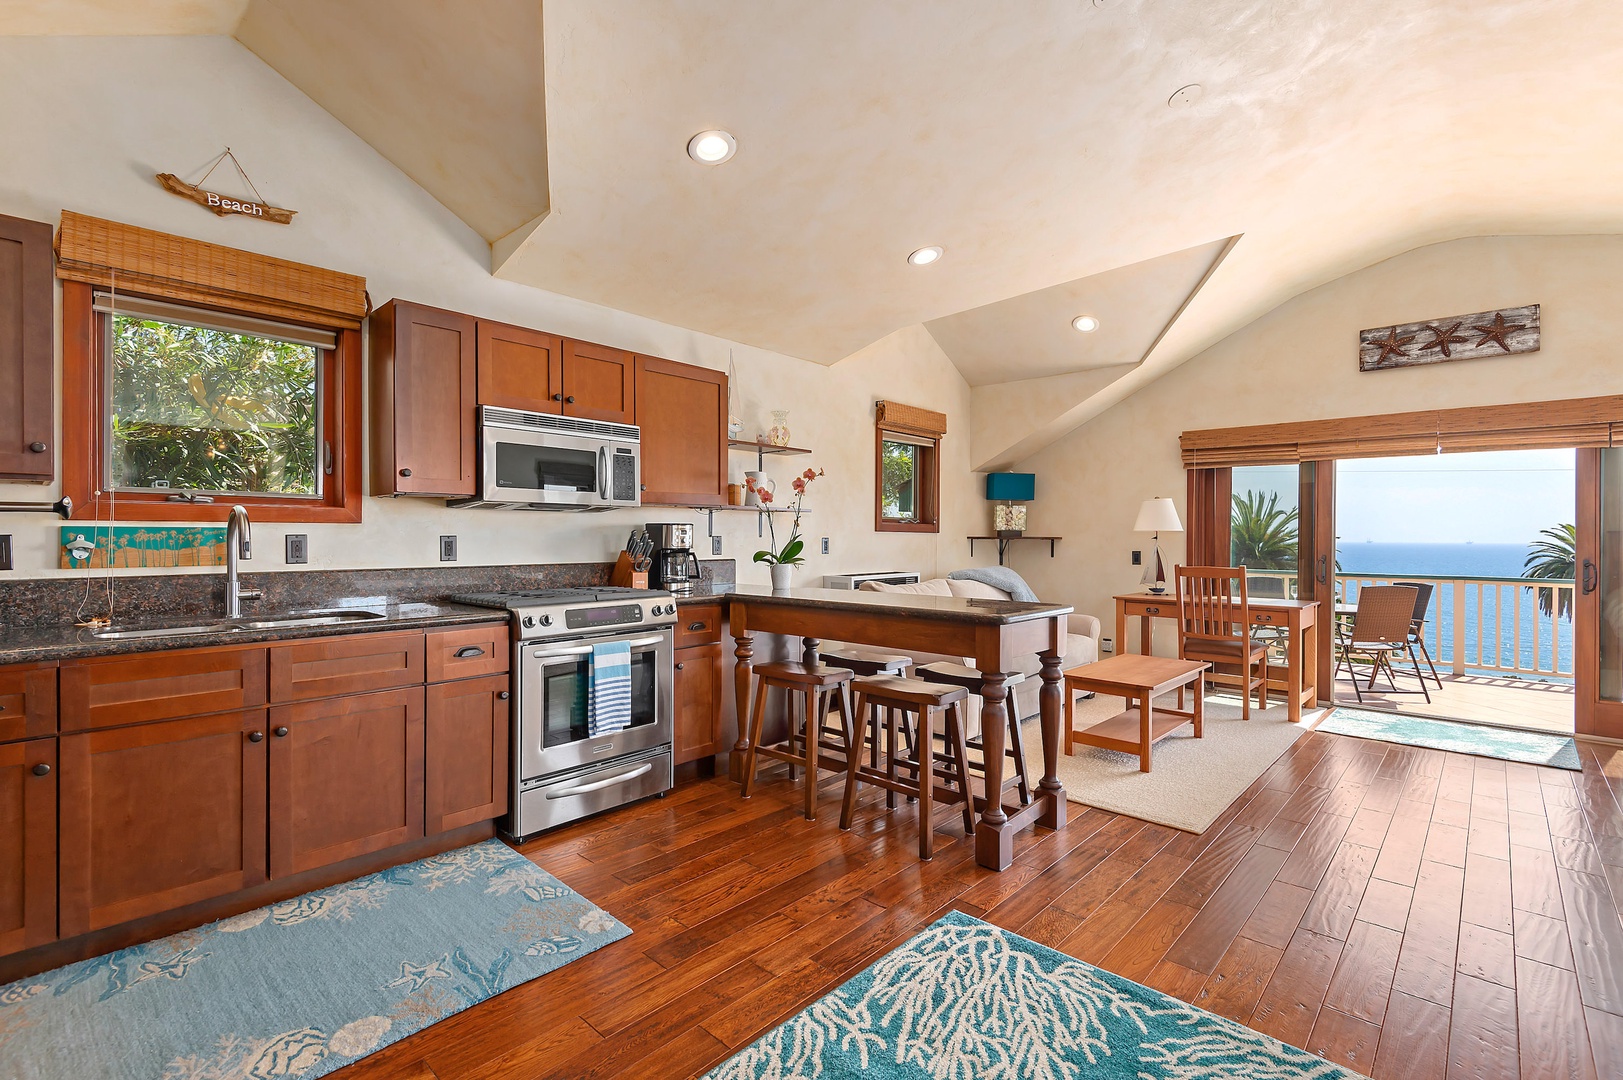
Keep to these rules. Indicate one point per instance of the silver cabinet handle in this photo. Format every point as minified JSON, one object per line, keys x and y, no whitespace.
{"x":599,"y":785}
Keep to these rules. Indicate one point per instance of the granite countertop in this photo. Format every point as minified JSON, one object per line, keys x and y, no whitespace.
{"x":951,"y":608}
{"x":27,"y":644}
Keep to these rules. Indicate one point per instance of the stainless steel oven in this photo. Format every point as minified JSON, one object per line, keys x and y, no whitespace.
{"x":533,"y":461}
{"x":554,"y":686}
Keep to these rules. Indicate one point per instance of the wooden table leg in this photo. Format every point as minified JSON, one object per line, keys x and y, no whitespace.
{"x":994,"y":839}
{"x":1048,"y":701}
{"x":1297,"y":641}
{"x":1200,"y":706}
{"x":1070,"y":720}
{"x":1310,"y":658}
{"x":744,"y":651}
{"x":809,"y":655}
{"x":1145,"y":712}
{"x":1121,"y":627}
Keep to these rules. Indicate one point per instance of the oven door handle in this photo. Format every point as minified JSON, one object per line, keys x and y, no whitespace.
{"x":582,"y":650}
{"x":598,"y":785}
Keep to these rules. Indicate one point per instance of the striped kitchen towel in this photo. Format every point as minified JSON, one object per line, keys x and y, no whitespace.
{"x":610,"y":707}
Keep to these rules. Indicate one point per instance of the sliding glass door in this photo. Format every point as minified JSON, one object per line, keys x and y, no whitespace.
{"x":1598,"y":659}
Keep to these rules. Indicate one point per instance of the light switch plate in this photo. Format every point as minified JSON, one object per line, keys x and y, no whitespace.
{"x":715,"y":545}
{"x":1138,"y":558}
{"x":296,"y":549}
{"x":825,"y":545}
{"x":5,"y":551}
{"x":447,"y":549}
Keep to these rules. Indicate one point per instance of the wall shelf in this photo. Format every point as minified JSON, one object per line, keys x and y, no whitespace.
{"x":761,"y":513}
{"x":762,"y":449}
{"x":1003,"y":543}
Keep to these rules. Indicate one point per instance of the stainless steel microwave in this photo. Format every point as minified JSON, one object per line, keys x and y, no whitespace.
{"x":534,"y":461}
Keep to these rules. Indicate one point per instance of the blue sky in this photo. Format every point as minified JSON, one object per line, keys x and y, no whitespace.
{"x":1490,"y":498}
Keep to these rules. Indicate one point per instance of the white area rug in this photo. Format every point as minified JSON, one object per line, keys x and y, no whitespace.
{"x":1191,"y":781}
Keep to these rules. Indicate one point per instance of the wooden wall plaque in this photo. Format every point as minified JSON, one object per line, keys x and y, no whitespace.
{"x":1503,"y":332}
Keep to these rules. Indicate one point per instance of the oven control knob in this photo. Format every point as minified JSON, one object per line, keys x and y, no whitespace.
{"x":546,"y":620}
{"x":529,"y":620}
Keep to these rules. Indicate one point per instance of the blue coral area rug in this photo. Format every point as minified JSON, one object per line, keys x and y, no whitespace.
{"x":966,"y":1000}
{"x":1507,"y":744}
{"x":303,"y":987}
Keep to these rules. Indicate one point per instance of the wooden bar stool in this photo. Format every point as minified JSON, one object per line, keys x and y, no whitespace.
{"x":967,"y":677}
{"x":814,"y":687}
{"x":866,"y":661}
{"x":905,"y":772}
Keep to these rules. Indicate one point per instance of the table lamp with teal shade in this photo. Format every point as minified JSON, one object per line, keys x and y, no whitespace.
{"x":1008,"y":490}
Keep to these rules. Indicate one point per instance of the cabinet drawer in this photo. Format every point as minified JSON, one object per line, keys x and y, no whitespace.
{"x":110,"y":691}
{"x":27,"y":701}
{"x":697,"y":624}
{"x":464,"y":654}
{"x":329,"y":667}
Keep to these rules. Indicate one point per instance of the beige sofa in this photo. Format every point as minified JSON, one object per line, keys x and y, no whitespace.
{"x":1081,"y":647}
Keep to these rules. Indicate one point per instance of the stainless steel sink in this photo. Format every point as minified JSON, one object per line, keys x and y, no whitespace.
{"x":270,"y":622}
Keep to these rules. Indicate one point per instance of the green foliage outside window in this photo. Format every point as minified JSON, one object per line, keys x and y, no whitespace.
{"x":1262,"y":534}
{"x":1554,"y":558}
{"x":209,"y":410}
{"x":900,"y":463}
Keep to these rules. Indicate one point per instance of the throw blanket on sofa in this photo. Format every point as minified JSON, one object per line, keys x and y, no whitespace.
{"x":999,"y":577}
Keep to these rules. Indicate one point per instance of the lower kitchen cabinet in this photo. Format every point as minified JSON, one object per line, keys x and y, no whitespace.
{"x":160,"y":815}
{"x":698,"y":703}
{"x":28,"y":778}
{"x":346,"y":777}
{"x":465,"y":776}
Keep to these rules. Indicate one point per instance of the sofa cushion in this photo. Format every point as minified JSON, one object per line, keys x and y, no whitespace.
{"x":977,"y":590}
{"x":933,"y":587}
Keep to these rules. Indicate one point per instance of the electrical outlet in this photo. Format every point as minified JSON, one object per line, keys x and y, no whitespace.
{"x":296,"y":548}
{"x":5,"y":551}
{"x":1138,"y":558}
{"x":715,"y":545}
{"x":447,"y":549}
{"x":825,"y":545}
{"x":1107,"y":647}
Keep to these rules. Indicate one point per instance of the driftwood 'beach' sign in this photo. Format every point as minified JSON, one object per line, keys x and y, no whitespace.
{"x":224,"y":204}
{"x":1458,"y":337}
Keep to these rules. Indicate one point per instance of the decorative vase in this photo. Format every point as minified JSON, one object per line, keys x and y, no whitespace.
{"x":778,"y":435}
{"x":762,"y":483}
{"x":782,"y":576}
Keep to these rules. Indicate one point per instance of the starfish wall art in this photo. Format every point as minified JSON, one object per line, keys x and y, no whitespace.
{"x":1458,"y":337}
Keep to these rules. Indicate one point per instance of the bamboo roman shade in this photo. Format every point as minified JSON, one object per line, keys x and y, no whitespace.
{"x":108,"y":254}
{"x":1540,"y":425}
{"x":910,"y":420}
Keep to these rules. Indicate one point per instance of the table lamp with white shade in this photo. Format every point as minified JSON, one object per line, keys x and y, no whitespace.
{"x":1156,"y":516}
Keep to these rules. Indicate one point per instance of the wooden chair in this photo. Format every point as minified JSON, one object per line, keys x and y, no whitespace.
{"x":1380,"y":629}
{"x":817,"y":689}
{"x":1214,"y":626}
{"x":1417,"y":625}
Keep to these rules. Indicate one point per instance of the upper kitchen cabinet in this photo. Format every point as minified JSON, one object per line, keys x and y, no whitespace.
{"x":600,"y":383}
{"x":520,"y":369}
{"x":423,"y":397}
{"x":27,"y":375}
{"x":682,"y":411}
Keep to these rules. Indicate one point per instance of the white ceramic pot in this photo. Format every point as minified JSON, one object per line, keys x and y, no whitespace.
{"x":782,"y":577}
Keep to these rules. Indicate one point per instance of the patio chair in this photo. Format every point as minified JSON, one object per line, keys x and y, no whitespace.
{"x":1380,"y":630}
{"x":1214,"y":625}
{"x":1417,"y":625}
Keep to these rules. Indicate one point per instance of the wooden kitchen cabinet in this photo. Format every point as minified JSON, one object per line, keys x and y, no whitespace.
{"x":115,"y":690}
{"x":160,"y":815}
{"x":27,"y":360}
{"x":346,"y":777}
{"x":327,"y":667}
{"x":27,"y":701}
{"x":520,"y":369}
{"x":467,"y":731}
{"x":600,"y":383}
{"x":28,"y":779}
{"x":423,"y":398}
{"x":682,"y":410}
{"x":698,"y":703}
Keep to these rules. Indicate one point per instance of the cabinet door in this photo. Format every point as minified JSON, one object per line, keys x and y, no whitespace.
{"x":698,"y":703}
{"x":27,"y":701}
{"x":346,"y":778}
{"x":682,"y":410}
{"x":520,"y":369}
{"x":600,"y":383}
{"x":27,"y":844}
{"x":27,"y":372}
{"x":158,"y":816}
{"x":423,"y":401}
{"x":465,"y":774}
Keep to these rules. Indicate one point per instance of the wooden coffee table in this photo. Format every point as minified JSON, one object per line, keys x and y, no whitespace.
{"x":1138,"y":679}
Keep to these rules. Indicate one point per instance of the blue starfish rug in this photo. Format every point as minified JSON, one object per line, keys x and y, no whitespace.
{"x":303,"y":987}
{"x":965,"y":1000}
{"x":1507,"y":744}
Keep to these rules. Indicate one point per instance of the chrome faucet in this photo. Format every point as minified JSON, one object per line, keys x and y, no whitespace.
{"x":238,"y":545}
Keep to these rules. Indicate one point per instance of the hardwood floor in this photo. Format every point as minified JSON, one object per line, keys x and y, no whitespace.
{"x":1409,"y":913}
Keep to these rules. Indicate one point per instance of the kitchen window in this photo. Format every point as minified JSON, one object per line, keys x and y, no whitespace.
{"x":907,"y":469}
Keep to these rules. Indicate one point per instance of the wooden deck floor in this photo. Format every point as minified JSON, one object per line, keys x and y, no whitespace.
{"x":1520,"y":703}
{"x":1409,"y":913}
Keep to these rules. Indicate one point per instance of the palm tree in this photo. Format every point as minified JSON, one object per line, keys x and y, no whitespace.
{"x":1262,"y":535}
{"x":1554,"y":558}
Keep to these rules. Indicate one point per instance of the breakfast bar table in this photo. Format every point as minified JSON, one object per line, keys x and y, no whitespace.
{"x":993,"y":633}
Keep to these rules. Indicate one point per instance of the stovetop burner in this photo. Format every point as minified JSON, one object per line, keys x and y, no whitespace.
{"x":552,"y":596}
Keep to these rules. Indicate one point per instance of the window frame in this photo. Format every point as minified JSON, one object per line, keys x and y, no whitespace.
{"x":928,"y":477}
{"x":85,"y":335}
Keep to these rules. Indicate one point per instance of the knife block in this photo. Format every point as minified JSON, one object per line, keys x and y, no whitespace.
{"x":623,"y":576}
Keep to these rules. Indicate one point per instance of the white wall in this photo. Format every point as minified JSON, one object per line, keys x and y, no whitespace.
{"x":86,"y":122}
{"x":1300,"y":362}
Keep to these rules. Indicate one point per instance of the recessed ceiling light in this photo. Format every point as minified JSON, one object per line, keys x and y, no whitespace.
{"x":712,"y":147}
{"x":924,"y":256}
{"x":1086,"y":324}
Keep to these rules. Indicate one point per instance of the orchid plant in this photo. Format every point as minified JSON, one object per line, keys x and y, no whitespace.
{"x":791,"y":554}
